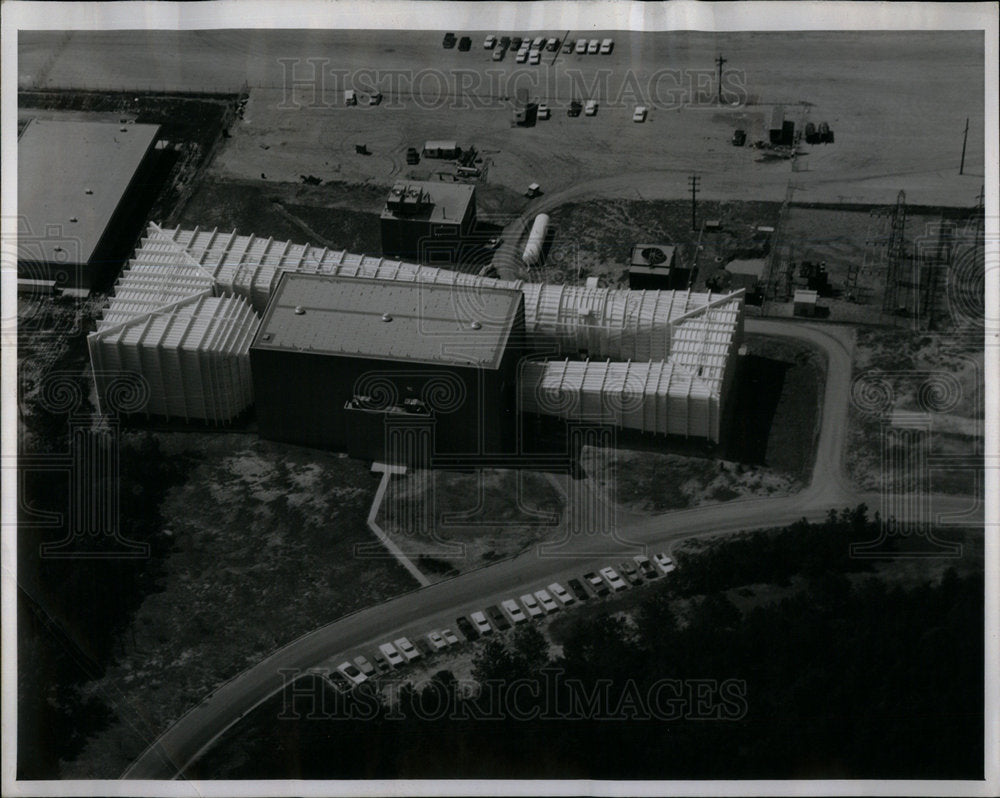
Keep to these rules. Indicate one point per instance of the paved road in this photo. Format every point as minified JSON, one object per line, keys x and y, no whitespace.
{"x":439,"y":604}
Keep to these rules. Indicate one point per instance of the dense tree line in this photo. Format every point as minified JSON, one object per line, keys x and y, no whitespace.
{"x":843,"y":678}
{"x":74,"y":608}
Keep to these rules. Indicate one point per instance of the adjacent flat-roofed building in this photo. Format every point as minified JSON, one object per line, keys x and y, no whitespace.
{"x":347,"y":363}
{"x":428,"y":221}
{"x":654,"y":266}
{"x":80,"y":191}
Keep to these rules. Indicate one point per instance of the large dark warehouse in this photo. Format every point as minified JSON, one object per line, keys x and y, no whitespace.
{"x":340,"y":362}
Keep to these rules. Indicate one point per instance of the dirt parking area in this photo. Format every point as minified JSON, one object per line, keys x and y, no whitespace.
{"x":893,"y":99}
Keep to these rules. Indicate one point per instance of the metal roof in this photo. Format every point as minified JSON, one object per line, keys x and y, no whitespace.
{"x":751,"y":266}
{"x":389,"y":320}
{"x":71,"y":176}
{"x":802,"y":295}
{"x":444,"y":202}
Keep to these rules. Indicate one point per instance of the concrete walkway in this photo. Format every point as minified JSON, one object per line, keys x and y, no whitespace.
{"x":387,"y":472}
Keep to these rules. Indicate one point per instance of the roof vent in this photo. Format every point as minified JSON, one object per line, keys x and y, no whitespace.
{"x":386,"y":317}
{"x":299,"y":310}
{"x":476,"y":325}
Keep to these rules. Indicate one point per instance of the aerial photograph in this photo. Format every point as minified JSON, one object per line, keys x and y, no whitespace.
{"x":436,"y":398}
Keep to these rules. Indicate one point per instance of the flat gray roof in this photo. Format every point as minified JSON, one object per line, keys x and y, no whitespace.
{"x":754,"y":267}
{"x":427,"y":322}
{"x":446,"y":202}
{"x":58,"y":162}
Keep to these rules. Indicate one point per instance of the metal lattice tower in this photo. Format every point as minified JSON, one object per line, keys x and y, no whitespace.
{"x":895,"y":253}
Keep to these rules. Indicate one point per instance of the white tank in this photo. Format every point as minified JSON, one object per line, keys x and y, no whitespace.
{"x":536,"y":238}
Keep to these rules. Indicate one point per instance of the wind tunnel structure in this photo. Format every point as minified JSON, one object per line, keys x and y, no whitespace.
{"x":193,"y":352}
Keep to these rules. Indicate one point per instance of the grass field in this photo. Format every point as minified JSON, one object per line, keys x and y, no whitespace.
{"x":489,"y":513}
{"x":937,"y":377}
{"x":264,"y":551}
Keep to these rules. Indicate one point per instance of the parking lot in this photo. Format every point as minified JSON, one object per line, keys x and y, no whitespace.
{"x":408,"y":649}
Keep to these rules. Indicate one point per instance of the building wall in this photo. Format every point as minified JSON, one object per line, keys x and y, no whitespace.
{"x":301,"y":398}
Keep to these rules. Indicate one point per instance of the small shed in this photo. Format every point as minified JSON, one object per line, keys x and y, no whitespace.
{"x":441,"y":149}
{"x":804,"y":302}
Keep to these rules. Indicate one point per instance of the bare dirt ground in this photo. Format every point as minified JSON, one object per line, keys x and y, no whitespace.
{"x":896,"y":102}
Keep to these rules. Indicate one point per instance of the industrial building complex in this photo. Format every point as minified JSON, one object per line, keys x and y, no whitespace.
{"x":79,"y":184}
{"x":186,"y":316}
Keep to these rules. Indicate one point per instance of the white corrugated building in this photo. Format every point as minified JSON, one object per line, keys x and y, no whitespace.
{"x":679,"y":344}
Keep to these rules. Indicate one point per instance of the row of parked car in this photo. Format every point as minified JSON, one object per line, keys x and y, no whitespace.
{"x":510,"y":612}
{"x":531,"y":48}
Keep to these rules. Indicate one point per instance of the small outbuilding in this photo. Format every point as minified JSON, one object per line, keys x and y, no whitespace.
{"x":804,"y":302}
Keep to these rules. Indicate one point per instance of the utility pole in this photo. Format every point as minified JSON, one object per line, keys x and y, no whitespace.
{"x":719,"y":62}
{"x":693,"y":180}
{"x":965,"y":140}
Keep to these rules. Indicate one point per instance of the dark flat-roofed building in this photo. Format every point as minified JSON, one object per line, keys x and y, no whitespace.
{"x":340,"y":362}
{"x":78,"y":186}
{"x":428,"y":222}
{"x":654,"y":267}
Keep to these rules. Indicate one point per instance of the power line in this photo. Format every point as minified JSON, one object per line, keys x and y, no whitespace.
{"x":719,"y":62}
{"x":693,"y":181}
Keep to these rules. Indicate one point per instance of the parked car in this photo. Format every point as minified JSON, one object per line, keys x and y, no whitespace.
{"x":465,"y":44}
{"x":596,"y":583}
{"x":436,"y":641}
{"x":449,"y":41}
{"x":544,"y":112}
{"x":505,"y":42}
{"x":640,"y":114}
{"x":607,"y":46}
{"x":450,"y":638}
{"x":340,"y":682}
{"x":522,"y":56}
{"x":490,"y":42}
{"x":350,"y":670}
{"x":515,"y":43}
{"x":466,"y":627}
{"x":534,"y":58}
{"x":629,"y":573}
{"x":578,"y":589}
{"x":553,"y":45}
{"x":375,"y":99}
{"x":644,"y":565}
{"x":406,"y":648}
{"x":593,"y":47}
{"x":538,"y":43}
{"x":499,"y":53}
{"x":581,"y":46}
{"x":423,"y":647}
{"x":350,"y":97}
{"x":591,"y":109}
{"x":392,"y":656}
{"x":546,"y":601}
{"x":663,"y":562}
{"x":381,"y":663}
{"x":574,"y":108}
{"x":561,"y":593}
{"x":498,"y":619}
{"x":515,"y":612}
{"x":531,"y":605}
{"x":481,"y":624}
{"x":412,"y":156}
{"x":567,"y":46}
{"x":614,"y":580}
{"x":364,"y":665}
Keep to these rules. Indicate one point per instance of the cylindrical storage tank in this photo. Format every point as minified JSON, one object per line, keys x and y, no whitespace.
{"x":536,"y":238}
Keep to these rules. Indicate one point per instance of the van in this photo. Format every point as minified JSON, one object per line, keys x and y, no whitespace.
{"x":607,"y":46}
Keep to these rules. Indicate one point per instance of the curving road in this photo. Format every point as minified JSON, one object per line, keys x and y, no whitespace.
{"x":439,"y":604}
